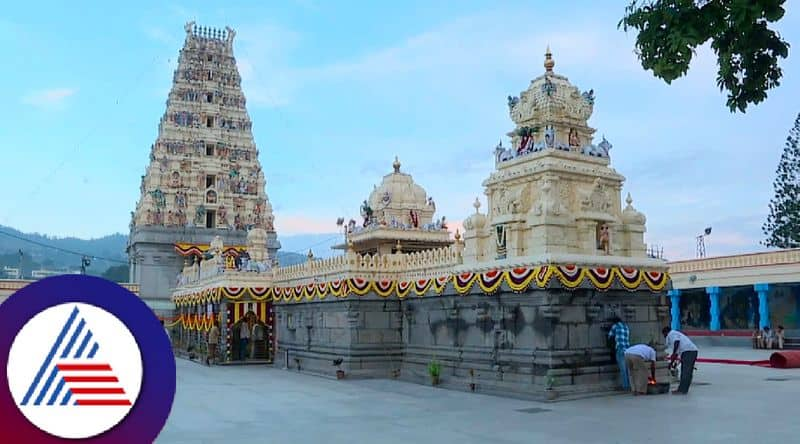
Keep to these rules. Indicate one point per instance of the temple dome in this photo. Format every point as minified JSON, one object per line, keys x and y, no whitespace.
{"x":552,"y":96}
{"x":551,"y":113}
{"x":399,"y":193}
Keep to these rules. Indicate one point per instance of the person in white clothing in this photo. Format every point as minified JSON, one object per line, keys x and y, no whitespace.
{"x":684,"y":347}
{"x":636,"y":359}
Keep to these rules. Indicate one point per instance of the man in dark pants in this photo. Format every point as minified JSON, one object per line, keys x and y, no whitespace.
{"x":683,"y":346}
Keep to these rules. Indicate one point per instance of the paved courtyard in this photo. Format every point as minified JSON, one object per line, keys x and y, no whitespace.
{"x":730,"y":403}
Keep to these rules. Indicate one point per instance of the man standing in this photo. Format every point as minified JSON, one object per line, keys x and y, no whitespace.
{"x":683,"y":346}
{"x":213,"y":343}
{"x":636,"y":359}
{"x":621,"y":334}
{"x":244,"y":339}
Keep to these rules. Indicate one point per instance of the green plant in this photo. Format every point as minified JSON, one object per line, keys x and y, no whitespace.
{"x":434,"y":369}
{"x":549,"y":382}
{"x":782,"y":227}
{"x":747,"y":50}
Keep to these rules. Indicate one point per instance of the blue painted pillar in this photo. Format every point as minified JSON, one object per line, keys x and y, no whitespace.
{"x":763,"y":304}
{"x":796,"y":306}
{"x":713,"y":296}
{"x":675,"y":311}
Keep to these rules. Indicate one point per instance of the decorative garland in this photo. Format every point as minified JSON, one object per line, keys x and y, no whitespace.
{"x":200,"y":249}
{"x":196,"y":322}
{"x":517,"y":279}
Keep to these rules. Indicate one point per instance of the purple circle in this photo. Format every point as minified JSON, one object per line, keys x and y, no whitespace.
{"x":152,"y":407}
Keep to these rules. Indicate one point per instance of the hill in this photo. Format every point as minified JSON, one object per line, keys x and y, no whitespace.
{"x":63,"y":254}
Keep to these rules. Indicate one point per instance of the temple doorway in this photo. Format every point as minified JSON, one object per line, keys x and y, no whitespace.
{"x":255,"y":324}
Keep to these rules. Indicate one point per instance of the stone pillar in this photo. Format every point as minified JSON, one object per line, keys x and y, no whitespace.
{"x":675,"y":313}
{"x":763,"y":304}
{"x":224,"y":331}
{"x":713,"y":295}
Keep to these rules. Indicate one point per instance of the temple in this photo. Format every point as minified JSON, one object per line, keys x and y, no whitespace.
{"x":204,"y":179}
{"x":519,"y":306}
{"x":397,"y":217}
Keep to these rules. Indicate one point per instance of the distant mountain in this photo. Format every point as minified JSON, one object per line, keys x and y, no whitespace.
{"x":319,"y":243}
{"x":58,"y":253}
{"x":63,"y":254}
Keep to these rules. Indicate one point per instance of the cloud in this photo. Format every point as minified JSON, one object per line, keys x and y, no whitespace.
{"x":49,"y":99}
{"x":262,"y":58}
{"x":291,"y":224}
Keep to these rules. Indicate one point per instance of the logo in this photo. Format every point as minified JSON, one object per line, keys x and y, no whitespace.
{"x":59,"y":374}
{"x":86,"y":361}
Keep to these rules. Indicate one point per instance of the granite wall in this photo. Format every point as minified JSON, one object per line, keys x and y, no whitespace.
{"x":506,"y":344}
{"x":154,"y":264}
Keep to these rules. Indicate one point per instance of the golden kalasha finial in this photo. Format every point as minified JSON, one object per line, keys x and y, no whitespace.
{"x":310,"y":254}
{"x":477,"y":204}
{"x":458,"y":235}
{"x":399,"y":247}
{"x":549,"y":63}
{"x":396,"y":164}
{"x":629,"y":199}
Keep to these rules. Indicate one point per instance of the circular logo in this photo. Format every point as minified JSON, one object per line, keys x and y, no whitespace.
{"x":90,"y":360}
{"x":85,"y":360}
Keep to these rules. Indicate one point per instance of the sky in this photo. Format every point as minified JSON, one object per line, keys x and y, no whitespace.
{"x":336,"y":90}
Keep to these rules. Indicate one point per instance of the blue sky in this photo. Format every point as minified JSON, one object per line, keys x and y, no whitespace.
{"x":337,"y":89}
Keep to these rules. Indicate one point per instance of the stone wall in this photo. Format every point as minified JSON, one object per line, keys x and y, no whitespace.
{"x":506,"y":344}
{"x":155,"y":264}
{"x":364,"y":333}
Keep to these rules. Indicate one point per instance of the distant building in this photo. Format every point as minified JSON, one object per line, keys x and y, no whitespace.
{"x":737,"y":292}
{"x":42,"y":273}
{"x":10,"y":272}
{"x":10,"y":286}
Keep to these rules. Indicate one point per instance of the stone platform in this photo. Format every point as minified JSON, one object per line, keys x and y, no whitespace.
{"x":506,"y":344}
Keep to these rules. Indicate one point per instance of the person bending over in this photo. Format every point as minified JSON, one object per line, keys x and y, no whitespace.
{"x":681,"y":346}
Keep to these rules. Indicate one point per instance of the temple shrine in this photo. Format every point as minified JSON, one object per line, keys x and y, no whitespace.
{"x":520,"y":305}
{"x":397,"y":217}
{"x":204,"y":180}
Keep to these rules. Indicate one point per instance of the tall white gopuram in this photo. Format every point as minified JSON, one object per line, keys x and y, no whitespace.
{"x":204,"y":178}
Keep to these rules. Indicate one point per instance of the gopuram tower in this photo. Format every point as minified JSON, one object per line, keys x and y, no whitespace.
{"x":204,"y":179}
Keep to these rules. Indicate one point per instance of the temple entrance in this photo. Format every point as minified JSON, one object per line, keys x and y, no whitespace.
{"x":252,"y":336}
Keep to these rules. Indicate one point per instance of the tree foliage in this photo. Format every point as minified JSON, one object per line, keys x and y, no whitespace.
{"x":747,"y":50}
{"x":782,"y":228}
{"x":117,"y":273}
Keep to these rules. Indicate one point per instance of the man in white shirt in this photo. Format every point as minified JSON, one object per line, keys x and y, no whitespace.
{"x":636,"y":359}
{"x":683,"y":346}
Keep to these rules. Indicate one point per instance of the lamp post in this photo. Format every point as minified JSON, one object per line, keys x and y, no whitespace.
{"x":19,"y":265}
{"x":85,"y":262}
{"x":701,"y":243}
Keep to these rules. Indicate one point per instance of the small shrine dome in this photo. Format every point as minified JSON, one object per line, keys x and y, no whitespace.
{"x":552,"y":113}
{"x":553,"y":96}
{"x":398,"y":191}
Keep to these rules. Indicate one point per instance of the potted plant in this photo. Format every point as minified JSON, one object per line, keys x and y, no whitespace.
{"x":434,"y":370}
{"x":339,"y":372}
{"x":549,"y":388}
